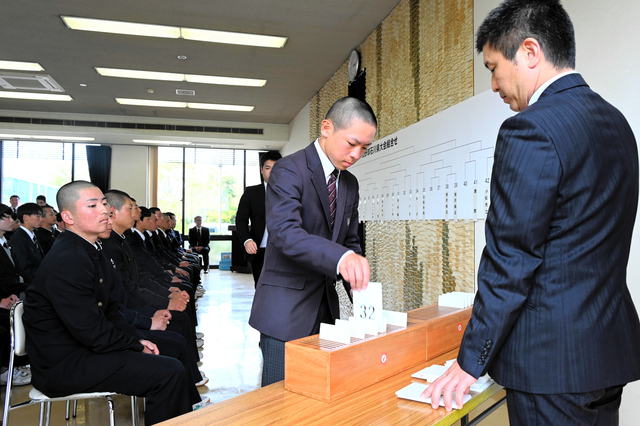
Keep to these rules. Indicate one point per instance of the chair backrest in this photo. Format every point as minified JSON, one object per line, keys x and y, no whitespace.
{"x":18,"y":335}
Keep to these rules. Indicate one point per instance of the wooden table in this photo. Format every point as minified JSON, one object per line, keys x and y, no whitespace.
{"x":374,"y":405}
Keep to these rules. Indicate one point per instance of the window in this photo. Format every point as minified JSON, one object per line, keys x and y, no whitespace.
{"x":31,"y":168}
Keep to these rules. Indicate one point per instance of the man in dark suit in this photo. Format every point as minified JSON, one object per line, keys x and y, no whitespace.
{"x":24,"y":241}
{"x":251,"y":209}
{"x":312,"y":216}
{"x":199,"y":241}
{"x":13,"y":280}
{"x":14,"y":200}
{"x":553,"y":320}
{"x":47,"y":233}
{"x":77,"y":338}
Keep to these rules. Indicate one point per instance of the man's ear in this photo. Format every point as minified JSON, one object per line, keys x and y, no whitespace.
{"x":532,"y":52}
{"x":67,"y":217}
{"x":326,"y":127}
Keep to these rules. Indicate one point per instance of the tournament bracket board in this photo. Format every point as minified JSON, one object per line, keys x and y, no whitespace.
{"x":436,"y":169}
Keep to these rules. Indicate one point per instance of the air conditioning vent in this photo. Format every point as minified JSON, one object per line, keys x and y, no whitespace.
{"x":183,"y":92}
{"x":44,"y":83}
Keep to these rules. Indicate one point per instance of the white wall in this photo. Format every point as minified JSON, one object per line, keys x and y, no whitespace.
{"x":129,"y":165}
{"x":606,"y":41}
{"x":298,"y":132}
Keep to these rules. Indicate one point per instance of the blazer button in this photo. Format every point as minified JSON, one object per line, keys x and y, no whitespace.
{"x":100,"y":280}
{"x":489,"y":343}
{"x":481,"y":361}
{"x":100,"y":304}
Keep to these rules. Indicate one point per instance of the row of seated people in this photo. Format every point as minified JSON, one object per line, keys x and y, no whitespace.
{"x":111,"y":306}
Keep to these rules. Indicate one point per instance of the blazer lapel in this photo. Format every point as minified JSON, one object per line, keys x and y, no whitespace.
{"x":319,"y":181}
{"x":340,"y":205}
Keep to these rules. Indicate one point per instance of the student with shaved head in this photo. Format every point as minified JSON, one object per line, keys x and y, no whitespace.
{"x":77,"y":338}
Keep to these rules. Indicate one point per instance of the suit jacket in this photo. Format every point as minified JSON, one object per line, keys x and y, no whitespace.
{"x":75,"y":330}
{"x":145,"y":260}
{"x":29,"y":256}
{"x":203,"y":241}
{"x":302,"y":253}
{"x":553,"y":313}
{"x":10,"y":273}
{"x":46,"y":239}
{"x":251,"y":208}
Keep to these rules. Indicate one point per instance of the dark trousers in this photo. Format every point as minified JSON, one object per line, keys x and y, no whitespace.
{"x":597,"y":408}
{"x":256,"y":266}
{"x":205,"y":256}
{"x":162,"y":380}
{"x":173,"y":345}
{"x":273,"y":349}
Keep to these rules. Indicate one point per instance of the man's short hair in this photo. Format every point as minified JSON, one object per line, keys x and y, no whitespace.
{"x":154,"y":210}
{"x":41,"y":197}
{"x":508,"y":25}
{"x":15,"y":196}
{"x":269,"y":155}
{"x":197,"y":217}
{"x":144,"y":212}
{"x":346,"y":110}
{"x":59,"y":217}
{"x":47,"y":206}
{"x":116,"y":198}
{"x":69,"y":194}
{"x":6,"y":211}
{"x":28,"y":209}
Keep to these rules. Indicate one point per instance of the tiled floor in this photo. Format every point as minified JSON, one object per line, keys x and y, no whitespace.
{"x":232,"y":358}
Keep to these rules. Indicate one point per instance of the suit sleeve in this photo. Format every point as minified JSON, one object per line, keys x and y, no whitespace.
{"x":19,"y":245}
{"x":242,"y":218}
{"x":284,"y":221}
{"x":524,"y":190}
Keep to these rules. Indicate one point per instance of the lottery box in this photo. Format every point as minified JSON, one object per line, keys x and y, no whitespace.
{"x":328,"y":371}
{"x":445,"y":327}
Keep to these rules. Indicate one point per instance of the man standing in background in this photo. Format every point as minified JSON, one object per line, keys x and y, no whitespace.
{"x":252,"y":209}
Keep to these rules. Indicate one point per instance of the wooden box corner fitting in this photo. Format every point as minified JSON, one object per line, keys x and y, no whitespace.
{"x":444,"y":327}
{"x":328,"y":371}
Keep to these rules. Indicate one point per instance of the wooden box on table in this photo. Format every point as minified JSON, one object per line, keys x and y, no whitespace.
{"x":328,"y":371}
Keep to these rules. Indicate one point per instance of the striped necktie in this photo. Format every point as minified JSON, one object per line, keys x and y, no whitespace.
{"x":331,"y":189}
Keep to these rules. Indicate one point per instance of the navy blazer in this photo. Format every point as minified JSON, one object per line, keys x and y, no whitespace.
{"x":553,"y":313}
{"x":302,"y":253}
{"x":251,"y":208}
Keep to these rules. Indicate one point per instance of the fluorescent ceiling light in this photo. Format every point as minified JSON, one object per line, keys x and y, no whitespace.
{"x":147,"y":141}
{"x":146,"y":102}
{"x":169,"y":76}
{"x":227,"y":37}
{"x":145,"y":75}
{"x":220,"y":107}
{"x":194,"y":105}
{"x":49,"y":137}
{"x":165,"y":31}
{"x":20,"y":66}
{"x":120,"y":27}
{"x":35,"y":96}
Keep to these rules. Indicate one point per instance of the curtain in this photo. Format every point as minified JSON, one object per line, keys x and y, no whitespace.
{"x":99,"y":161}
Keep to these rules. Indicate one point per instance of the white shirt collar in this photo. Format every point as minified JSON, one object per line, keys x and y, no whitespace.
{"x":327,"y":165}
{"x":3,"y":240}
{"x":139,"y":233}
{"x":541,"y":89}
{"x":29,"y":233}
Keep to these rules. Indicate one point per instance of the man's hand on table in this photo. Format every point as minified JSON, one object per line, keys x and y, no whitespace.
{"x":454,"y":379}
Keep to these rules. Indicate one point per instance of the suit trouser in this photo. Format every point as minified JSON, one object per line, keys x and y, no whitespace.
{"x":173,"y":345}
{"x":162,"y":380}
{"x":256,"y":265}
{"x":273,"y":349}
{"x":597,"y":408}
{"x":205,"y":257}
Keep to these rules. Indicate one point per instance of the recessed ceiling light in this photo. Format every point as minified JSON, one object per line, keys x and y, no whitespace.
{"x":182,"y":57}
{"x":83,"y":85}
{"x":48,"y":137}
{"x":20,"y":66}
{"x":164,"y":31}
{"x":147,"y":102}
{"x":35,"y":96}
{"x":220,"y":107}
{"x":149,"y":141}
{"x":121,"y":27}
{"x":169,"y":76}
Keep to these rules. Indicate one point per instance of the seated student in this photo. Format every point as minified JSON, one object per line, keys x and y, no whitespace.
{"x":24,"y":241}
{"x":46,"y":234}
{"x":154,"y":328}
{"x":60,"y":226}
{"x":77,"y":338}
{"x":199,"y":241}
{"x":12,"y":287}
{"x":41,"y":200}
{"x":165,"y":233}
